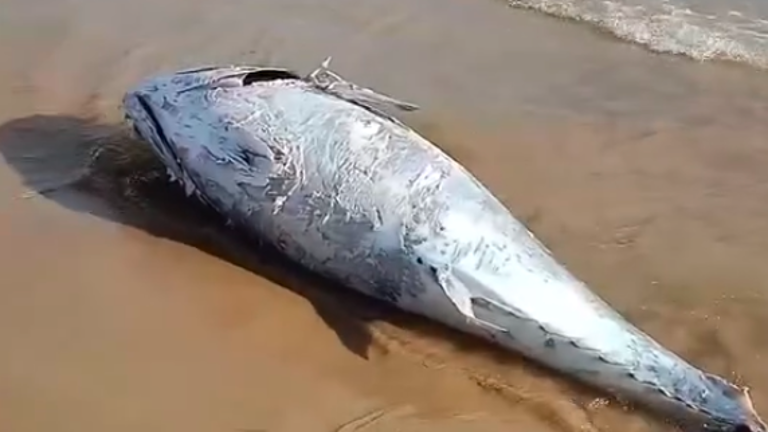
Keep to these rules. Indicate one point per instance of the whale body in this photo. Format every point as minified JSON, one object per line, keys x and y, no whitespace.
{"x":316,"y":166}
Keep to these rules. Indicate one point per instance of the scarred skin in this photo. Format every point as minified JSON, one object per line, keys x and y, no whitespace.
{"x":314,"y":166}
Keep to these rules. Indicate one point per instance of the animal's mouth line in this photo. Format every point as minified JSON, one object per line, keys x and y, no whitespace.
{"x":165,"y":147}
{"x":167,"y":151}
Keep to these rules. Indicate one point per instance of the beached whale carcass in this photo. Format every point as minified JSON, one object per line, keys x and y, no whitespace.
{"x":315,"y":166}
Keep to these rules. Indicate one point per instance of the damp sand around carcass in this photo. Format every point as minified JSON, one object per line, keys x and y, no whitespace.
{"x":315,"y":167}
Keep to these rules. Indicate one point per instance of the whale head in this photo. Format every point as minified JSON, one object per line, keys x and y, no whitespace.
{"x":159,"y":109}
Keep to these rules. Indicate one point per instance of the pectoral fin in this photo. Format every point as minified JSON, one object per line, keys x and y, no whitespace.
{"x":461,"y":297}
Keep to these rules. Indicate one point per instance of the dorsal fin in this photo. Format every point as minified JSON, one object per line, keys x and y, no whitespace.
{"x":333,"y":83}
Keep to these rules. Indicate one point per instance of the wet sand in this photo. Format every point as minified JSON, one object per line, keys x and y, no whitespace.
{"x":124,"y":307}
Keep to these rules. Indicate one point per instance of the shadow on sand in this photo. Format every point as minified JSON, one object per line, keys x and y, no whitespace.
{"x":65,"y":158}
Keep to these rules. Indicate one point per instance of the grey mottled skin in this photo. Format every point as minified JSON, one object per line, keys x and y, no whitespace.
{"x":314,"y":166}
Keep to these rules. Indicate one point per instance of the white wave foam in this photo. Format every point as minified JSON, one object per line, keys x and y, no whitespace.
{"x":664,"y":27}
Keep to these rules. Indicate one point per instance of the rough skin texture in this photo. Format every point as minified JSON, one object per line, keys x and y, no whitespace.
{"x":353,"y":194}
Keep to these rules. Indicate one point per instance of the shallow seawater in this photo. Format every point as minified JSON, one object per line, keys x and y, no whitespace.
{"x":126,"y":306}
{"x":711,"y":29}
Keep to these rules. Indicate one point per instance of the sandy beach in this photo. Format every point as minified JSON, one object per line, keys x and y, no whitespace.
{"x":124,"y":306}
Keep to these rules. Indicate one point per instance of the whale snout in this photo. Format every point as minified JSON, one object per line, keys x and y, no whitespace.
{"x":135,"y":115}
{"x":146,"y":117}
{"x":141,"y":115}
